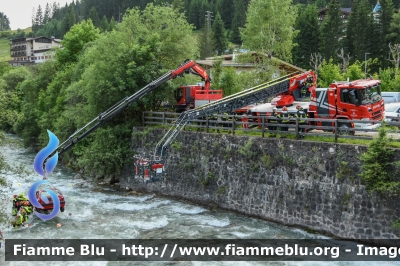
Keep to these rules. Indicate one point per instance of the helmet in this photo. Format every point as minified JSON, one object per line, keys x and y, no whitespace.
{"x":284,"y":108}
{"x":274,"y":109}
{"x":21,"y":194}
{"x":298,"y":106}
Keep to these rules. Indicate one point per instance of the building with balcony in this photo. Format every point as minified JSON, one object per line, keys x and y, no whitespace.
{"x":29,"y":51}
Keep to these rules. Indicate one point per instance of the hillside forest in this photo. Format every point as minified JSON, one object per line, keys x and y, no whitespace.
{"x":109,"y":52}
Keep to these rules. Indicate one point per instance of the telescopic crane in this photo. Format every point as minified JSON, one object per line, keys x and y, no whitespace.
{"x":186,"y":67}
{"x":152,"y":170}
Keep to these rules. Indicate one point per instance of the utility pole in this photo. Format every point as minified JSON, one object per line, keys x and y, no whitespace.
{"x":365,"y":68}
{"x":209,"y":17}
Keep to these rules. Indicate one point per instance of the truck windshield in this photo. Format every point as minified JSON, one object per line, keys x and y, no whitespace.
{"x":371,"y":95}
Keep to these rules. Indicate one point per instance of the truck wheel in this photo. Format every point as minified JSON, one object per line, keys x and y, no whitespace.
{"x":342,"y":129}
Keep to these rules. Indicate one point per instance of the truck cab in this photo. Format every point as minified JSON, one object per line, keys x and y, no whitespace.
{"x":355,"y":100}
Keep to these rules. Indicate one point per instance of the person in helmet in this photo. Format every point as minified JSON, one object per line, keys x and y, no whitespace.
{"x":273,"y":120}
{"x":285,"y":116}
{"x":301,"y":115}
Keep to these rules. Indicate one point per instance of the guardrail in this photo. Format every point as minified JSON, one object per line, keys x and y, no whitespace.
{"x":336,"y":128}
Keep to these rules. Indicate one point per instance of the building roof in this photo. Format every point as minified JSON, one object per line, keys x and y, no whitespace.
{"x":377,"y":7}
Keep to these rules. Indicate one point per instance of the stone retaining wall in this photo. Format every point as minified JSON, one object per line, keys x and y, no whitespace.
{"x":304,"y":184}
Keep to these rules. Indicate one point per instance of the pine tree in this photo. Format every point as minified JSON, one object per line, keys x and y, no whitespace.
{"x":194,"y":16}
{"x":69,"y":20}
{"x":331,"y":31}
{"x":394,"y":30}
{"x":104,"y":24}
{"x":178,"y":5}
{"x":384,"y":19}
{"x":308,"y":38}
{"x":220,"y":44}
{"x":239,"y":19}
{"x":39,"y":18}
{"x":94,"y":17}
{"x":112,"y":24}
{"x":47,"y":14}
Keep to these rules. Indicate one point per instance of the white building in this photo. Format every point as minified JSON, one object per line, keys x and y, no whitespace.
{"x":29,"y":51}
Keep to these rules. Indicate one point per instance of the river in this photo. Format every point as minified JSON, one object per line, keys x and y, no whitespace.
{"x":96,"y":212}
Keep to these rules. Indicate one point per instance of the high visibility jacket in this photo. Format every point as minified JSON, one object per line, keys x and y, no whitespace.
{"x":301,"y":114}
{"x":285,"y":117}
{"x":28,"y":209}
{"x":274,"y":120}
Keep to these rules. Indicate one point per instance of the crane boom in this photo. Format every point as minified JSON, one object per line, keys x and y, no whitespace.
{"x":228,"y":104}
{"x":189,"y":66}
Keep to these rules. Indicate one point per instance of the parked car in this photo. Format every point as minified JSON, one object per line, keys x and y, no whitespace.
{"x":392,"y":112}
{"x":390,"y":97}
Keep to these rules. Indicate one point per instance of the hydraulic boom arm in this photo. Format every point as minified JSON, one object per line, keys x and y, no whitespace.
{"x":188,"y":66}
{"x":228,"y":104}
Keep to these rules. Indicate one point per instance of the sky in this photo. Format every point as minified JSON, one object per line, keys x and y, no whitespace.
{"x":19,"y":12}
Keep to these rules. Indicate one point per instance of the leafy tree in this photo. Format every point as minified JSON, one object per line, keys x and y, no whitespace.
{"x":142,"y":48}
{"x":74,"y":41}
{"x":308,"y":38}
{"x":229,"y":81}
{"x":355,"y":71}
{"x":269,"y":27}
{"x":327,"y":73}
{"x":220,"y":42}
{"x":331,"y":31}
{"x":104,"y":24}
{"x":94,"y":17}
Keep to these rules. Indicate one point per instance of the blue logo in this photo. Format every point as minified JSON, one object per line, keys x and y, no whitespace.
{"x":38,"y":165}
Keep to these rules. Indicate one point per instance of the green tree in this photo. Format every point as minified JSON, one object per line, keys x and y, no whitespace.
{"x":69,"y":20}
{"x":220,"y":42}
{"x":206,"y":42}
{"x":384,"y":19}
{"x":39,"y":18}
{"x":269,"y":27}
{"x":74,"y":41}
{"x":112,"y":24}
{"x":358,"y":38}
{"x":379,"y":168}
{"x":328,"y":72}
{"x":144,"y":46}
{"x":47,"y":15}
{"x":94,"y":17}
{"x":308,"y":38}
{"x":104,"y":24}
{"x":178,"y":5}
{"x":331,"y":31}
{"x":393,"y":36}
{"x":229,"y":81}
{"x":239,"y":19}
{"x":4,"y":22}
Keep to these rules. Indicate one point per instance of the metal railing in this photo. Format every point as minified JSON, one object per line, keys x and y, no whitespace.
{"x":335,"y":128}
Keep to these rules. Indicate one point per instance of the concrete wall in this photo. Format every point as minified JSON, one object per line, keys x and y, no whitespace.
{"x":304,"y":184}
